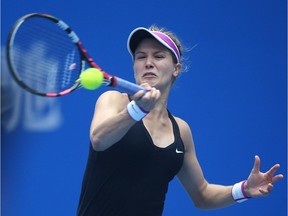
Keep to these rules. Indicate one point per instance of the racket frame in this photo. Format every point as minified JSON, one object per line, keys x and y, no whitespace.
{"x":109,"y":80}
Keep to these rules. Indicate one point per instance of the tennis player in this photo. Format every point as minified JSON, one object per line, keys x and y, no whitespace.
{"x":137,"y":146}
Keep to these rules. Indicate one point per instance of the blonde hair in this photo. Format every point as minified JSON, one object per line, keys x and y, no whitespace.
{"x":171,"y":35}
{"x":178,"y":43}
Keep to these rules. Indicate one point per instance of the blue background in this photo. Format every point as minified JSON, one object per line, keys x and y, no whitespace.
{"x":233,"y":97}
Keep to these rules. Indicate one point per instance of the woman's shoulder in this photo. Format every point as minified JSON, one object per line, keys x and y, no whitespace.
{"x":185,"y":132}
{"x":113,"y":95}
{"x":114,"y":98}
{"x":183,"y":125}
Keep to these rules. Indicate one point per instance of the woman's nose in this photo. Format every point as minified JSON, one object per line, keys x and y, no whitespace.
{"x":149,"y":63}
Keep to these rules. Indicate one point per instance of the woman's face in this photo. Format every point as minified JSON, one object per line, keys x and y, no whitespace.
{"x":153,"y":64}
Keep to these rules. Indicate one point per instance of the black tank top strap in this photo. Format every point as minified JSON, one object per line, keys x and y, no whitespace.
{"x":174,"y":123}
{"x":179,"y":143}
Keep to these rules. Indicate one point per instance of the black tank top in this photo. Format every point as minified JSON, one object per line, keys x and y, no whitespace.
{"x":131,"y":177}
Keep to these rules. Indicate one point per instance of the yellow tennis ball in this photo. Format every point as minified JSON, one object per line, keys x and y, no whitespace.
{"x":91,"y":78}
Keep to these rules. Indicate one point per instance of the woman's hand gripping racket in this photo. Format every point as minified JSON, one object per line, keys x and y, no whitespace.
{"x":47,"y":58}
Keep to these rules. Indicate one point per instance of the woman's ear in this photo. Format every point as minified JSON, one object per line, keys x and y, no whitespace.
{"x":177,"y":70}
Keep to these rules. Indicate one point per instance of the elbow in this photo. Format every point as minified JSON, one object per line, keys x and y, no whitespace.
{"x":201,"y":205}
{"x":96,"y":143}
{"x":204,"y":203}
{"x":97,"y":140}
{"x":201,"y":200}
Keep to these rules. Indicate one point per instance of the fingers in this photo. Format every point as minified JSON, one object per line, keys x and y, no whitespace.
{"x":256,"y":167}
{"x":272,"y":172}
{"x":270,"y":186}
{"x":137,"y":96}
{"x":273,"y":169}
{"x":152,"y":92}
{"x":277,"y":178}
{"x":266,"y":191}
{"x":147,"y":100}
{"x":140,"y":94}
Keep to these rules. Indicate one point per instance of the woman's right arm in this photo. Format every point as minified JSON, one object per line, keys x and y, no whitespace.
{"x":111,"y":121}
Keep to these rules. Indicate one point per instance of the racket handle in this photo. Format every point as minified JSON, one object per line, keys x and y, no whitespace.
{"x":127,"y":87}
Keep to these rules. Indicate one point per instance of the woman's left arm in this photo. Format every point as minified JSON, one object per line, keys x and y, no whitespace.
{"x":211,"y":196}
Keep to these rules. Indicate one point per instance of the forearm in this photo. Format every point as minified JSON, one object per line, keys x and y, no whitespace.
{"x":106,"y":133}
{"x":214,"y":196}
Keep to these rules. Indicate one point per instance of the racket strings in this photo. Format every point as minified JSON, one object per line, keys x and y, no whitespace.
{"x":44,"y":56}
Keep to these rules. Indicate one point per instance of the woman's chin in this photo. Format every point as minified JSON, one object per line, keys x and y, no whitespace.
{"x":151,"y":83}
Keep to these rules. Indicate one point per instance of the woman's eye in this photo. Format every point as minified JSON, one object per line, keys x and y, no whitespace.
{"x":140,"y":57}
{"x":159,"y":56}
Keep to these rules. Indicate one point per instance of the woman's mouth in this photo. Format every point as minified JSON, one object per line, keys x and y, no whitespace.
{"x":149,"y":75}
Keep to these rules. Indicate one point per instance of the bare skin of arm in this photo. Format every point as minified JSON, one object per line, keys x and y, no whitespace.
{"x":212,"y":196}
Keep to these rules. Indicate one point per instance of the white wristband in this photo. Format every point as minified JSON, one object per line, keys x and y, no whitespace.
{"x":135,"y":111}
{"x":238,"y":192}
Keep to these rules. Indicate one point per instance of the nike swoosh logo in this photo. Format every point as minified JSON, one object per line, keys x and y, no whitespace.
{"x":179,"y":152}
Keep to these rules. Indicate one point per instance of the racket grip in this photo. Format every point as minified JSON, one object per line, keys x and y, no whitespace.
{"x":128,"y":87}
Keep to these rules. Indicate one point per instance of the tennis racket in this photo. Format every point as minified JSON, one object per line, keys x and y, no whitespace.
{"x":46,"y":57}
